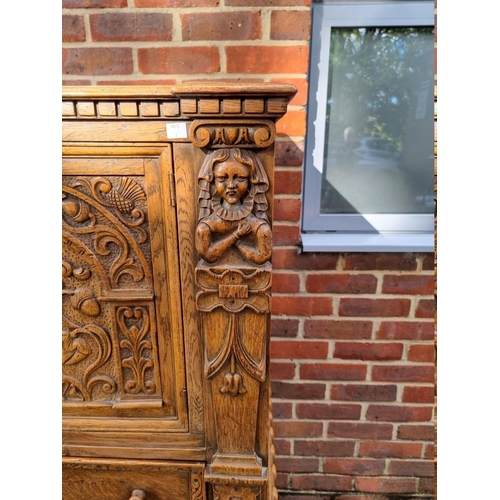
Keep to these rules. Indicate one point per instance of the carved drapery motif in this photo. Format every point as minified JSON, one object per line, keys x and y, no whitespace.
{"x":240,"y":133}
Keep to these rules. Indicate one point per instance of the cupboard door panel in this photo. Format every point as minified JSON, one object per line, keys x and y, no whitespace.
{"x":122,"y":349}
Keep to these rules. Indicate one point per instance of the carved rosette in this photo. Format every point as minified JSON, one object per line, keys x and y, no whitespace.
{"x":239,"y":133}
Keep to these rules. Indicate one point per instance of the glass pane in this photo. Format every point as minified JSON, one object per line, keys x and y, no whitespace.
{"x":379,"y":141}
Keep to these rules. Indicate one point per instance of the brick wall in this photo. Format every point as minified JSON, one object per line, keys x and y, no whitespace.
{"x":353,"y":334}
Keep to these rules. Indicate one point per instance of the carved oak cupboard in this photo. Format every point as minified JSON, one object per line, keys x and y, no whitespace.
{"x":167,"y":203}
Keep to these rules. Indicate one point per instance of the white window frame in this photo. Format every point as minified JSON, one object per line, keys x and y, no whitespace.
{"x":354,"y":232}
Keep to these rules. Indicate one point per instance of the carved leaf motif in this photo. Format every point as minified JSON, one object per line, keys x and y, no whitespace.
{"x":136,"y":343}
{"x":74,"y":349}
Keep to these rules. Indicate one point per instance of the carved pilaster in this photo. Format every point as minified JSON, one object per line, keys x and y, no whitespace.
{"x":233,"y":277}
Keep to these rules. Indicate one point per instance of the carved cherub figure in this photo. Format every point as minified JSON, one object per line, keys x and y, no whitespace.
{"x":233,"y":207}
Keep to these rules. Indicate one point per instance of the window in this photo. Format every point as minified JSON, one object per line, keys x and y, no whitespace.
{"x":369,"y":174}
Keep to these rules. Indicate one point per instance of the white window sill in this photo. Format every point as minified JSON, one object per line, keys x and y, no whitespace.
{"x":366,"y":242}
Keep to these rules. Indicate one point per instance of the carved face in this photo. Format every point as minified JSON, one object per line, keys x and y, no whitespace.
{"x":231,"y":180}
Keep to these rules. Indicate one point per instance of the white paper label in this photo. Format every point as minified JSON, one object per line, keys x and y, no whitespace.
{"x":176,"y":130}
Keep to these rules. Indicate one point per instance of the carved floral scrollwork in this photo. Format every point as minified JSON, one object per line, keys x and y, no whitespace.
{"x":76,"y":349}
{"x":197,"y":490}
{"x":224,"y":492}
{"x":233,"y":290}
{"x":137,"y":345}
{"x":241,"y":134}
{"x":123,"y":195}
{"x":108,"y":239}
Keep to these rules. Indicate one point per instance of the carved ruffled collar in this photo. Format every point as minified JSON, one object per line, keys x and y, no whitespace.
{"x":243,"y":210}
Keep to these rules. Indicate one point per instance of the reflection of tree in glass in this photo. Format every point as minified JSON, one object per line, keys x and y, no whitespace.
{"x":372,"y":76}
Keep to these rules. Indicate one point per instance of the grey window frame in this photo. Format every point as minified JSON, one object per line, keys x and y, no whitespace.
{"x":353,"y":232}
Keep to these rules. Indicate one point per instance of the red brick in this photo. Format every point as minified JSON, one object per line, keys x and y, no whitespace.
{"x":427,"y":485}
{"x":418,"y":394}
{"x":416,"y":432}
{"x":292,"y":124}
{"x":289,"y":258}
{"x":301,"y":305}
{"x":421,"y":468}
{"x":406,"y":330}
{"x":301,"y":390}
{"x":333,"y":329}
{"x":285,"y":283}
{"x":295,"y":464}
{"x":426,"y":308}
{"x":359,"y":430}
{"x":137,"y":81}
{"x":179,"y":60}
{"x":282,"y":446}
{"x":413,"y":284}
{"x":287,"y":181}
{"x":322,"y":448}
{"x":428,"y":262}
{"x":281,"y":480}
{"x":368,"y":351}
{"x":242,"y":25}
{"x":385,"y":449}
{"x":287,"y":209}
{"x":300,"y":98}
{"x":393,"y":413}
{"x":361,"y":392}
{"x":286,"y":235}
{"x":429,"y":451}
{"x":424,"y":353}
{"x":374,"y":307}
{"x":341,"y":283}
{"x":93,"y":4}
{"x":282,"y":410}
{"x":284,"y":327}
{"x":297,"y":429}
{"x":266,"y":3}
{"x":131,"y":26}
{"x":289,"y":153}
{"x":282,"y":371}
{"x":76,"y":82}
{"x":380,"y":261}
{"x":325,"y":411}
{"x":321,"y":482}
{"x":97,"y":61}
{"x":386,"y":484}
{"x":354,"y":467}
{"x":258,"y":59}
{"x":176,"y":3}
{"x":290,"y":25}
{"x":295,"y":349}
{"x":399,"y":373}
{"x":73,"y":29}
{"x":332,"y":371}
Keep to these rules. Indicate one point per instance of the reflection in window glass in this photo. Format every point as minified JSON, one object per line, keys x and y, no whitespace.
{"x":380,"y":122}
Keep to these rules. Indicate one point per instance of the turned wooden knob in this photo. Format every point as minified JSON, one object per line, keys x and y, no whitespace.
{"x":138,"y":495}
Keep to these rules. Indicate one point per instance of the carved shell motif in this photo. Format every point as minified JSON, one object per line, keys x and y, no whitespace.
{"x":124,"y":196}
